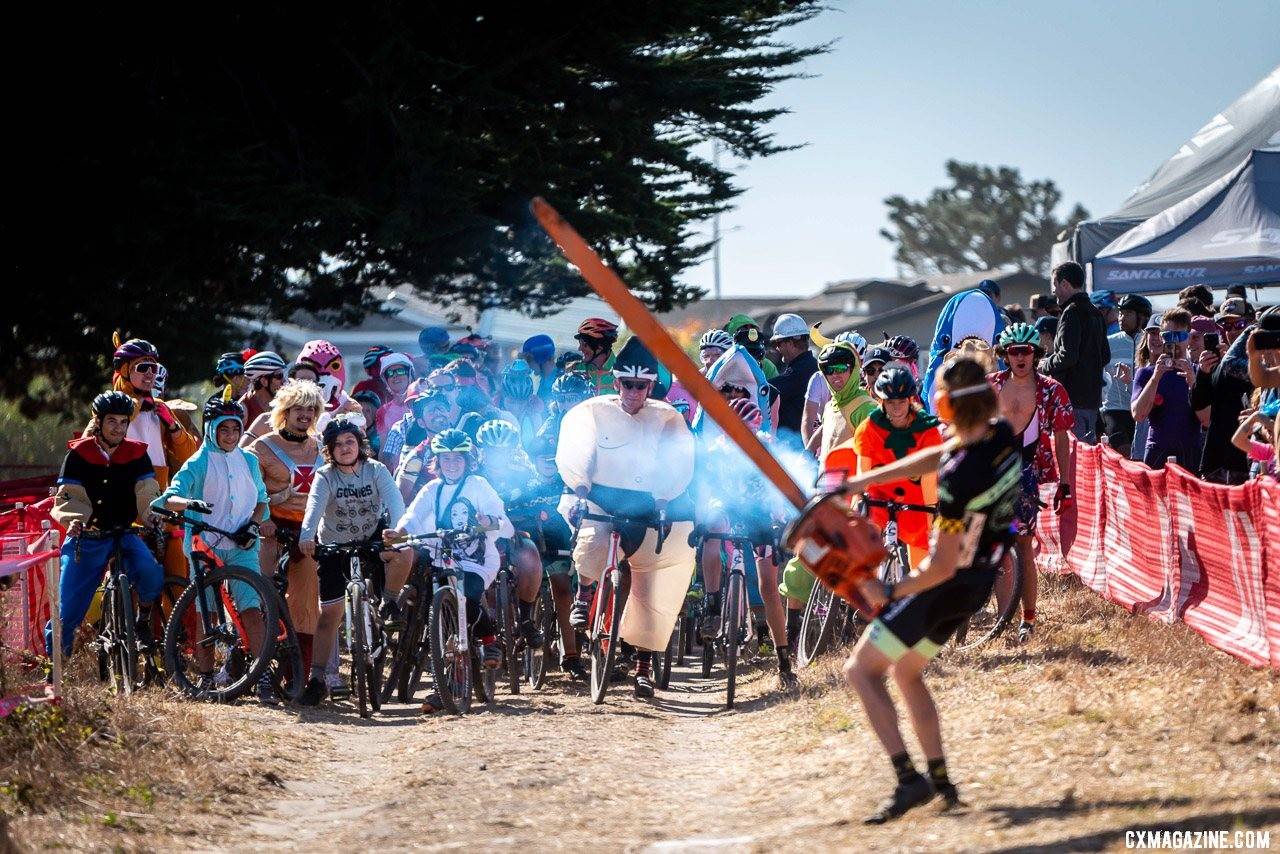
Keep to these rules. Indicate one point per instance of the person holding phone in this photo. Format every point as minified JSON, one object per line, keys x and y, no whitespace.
{"x":1222,"y":387}
{"x":1162,"y":394}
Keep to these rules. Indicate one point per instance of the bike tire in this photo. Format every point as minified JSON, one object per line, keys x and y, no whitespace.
{"x":817,"y":628}
{"x":735,"y":614}
{"x":228,"y":645}
{"x":122,"y":658}
{"x":506,"y":607}
{"x":605,"y":624}
{"x":153,"y":664}
{"x":400,"y":654}
{"x":535,"y":660}
{"x":980,"y":628}
{"x":485,"y":679}
{"x":285,"y":664}
{"x":663,"y":659}
{"x":361,"y":677}
{"x":450,"y":669}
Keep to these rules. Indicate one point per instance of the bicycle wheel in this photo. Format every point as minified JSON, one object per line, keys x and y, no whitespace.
{"x":357,"y":627}
{"x":401,"y":650}
{"x":506,"y":607}
{"x":735,"y":616}
{"x":535,"y":660}
{"x":604,"y":633}
{"x":450,"y":667}
{"x":153,"y":663}
{"x":485,"y":679}
{"x":224,"y":647}
{"x":662,"y":660}
{"x":285,"y":665}
{"x":817,"y":627}
{"x":122,"y":655}
{"x":997,"y":612}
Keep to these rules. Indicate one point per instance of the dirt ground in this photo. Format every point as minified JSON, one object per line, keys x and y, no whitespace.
{"x":1106,"y":723}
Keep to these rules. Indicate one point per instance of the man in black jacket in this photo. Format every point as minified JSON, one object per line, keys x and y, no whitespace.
{"x":1080,"y":349}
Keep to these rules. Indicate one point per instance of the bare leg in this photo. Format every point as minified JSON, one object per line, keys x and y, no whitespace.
{"x":865,"y":671}
{"x":327,"y":629}
{"x":907,"y":673}
{"x":399,"y":565}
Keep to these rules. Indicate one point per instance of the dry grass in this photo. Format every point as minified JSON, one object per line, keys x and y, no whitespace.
{"x":150,"y":773}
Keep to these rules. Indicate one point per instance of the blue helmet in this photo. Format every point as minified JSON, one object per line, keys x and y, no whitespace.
{"x":540,"y":347}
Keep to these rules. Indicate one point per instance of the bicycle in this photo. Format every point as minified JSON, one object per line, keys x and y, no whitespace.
{"x":206,"y":630}
{"x":507,"y":620}
{"x":409,"y":650}
{"x":828,"y":618}
{"x":366,"y":638}
{"x":456,"y":664}
{"x":605,"y":620}
{"x":737,"y":623}
{"x":117,"y":637}
{"x":998,"y":611}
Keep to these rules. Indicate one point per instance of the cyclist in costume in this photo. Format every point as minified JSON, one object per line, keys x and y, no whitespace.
{"x":504,"y":465}
{"x":397,"y":373}
{"x":228,"y":479}
{"x":543,"y":498}
{"x":1040,"y":412}
{"x":736,"y":374}
{"x":978,"y":486}
{"x":627,"y":454}
{"x":519,"y":400}
{"x":893,"y":431}
{"x":818,"y":391}
{"x":406,"y":432}
{"x":732,"y":490}
{"x":596,"y":337}
{"x":331,"y":373}
{"x":746,"y":332}
{"x":973,"y":312}
{"x":107,"y":481}
{"x":352,"y":500}
{"x":850,"y":404}
{"x":455,"y":499}
{"x":289,"y":457}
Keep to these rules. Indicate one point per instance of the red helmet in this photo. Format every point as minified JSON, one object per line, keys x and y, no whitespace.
{"x":597,"y":327}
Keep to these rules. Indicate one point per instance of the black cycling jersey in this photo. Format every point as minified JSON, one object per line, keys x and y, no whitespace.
{"x":978,"y":488}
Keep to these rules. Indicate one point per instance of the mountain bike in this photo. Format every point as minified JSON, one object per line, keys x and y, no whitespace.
{"x":507,"y":619}
{"x":998,"y":611}
{"x":737,"y":622}
{"x":605,"y":621}
{"x":366,"y":638}
{"x":212,"y":625}
{"x":409,"y":650}
{"x":117,"y":637}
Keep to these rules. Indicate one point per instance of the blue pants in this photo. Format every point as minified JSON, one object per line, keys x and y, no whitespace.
{"x":242,"y":594}
{"x":80,"y":579}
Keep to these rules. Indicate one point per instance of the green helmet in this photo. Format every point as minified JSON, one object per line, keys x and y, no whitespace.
{"x":1019,"y":333}
{"x":452,"y":440}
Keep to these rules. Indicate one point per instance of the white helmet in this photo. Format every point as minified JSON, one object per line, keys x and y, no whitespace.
{"x":789,"y":326}
{"x":859,"y":343}
{"x":715,"y":338}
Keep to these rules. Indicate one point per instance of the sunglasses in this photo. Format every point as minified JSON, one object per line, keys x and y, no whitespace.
{"x":634,"y":385}
{"x":396,"y":372}
{"x":1174,"y":336}
{"x":1020,"y":350}
{"x":1234,"y":325}
{"x":449,"y":387}
{"x":872,"y":370}
{"x":836,"y":369}
{"x":147,"y":368}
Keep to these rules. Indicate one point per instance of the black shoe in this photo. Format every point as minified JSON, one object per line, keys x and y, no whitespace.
{"x":314,"y":692}
{"x":532,"y":636}
{"x":142,"y":630}
{"x":950,"y":796}
{"x":788,"y":681}
{"x":912,"y":793}
{"x":580,"y":614}
{"x":575,"y":668}
{"x":392,"y":617}
{"x":644,"y":687}
{"x":267,"y":691}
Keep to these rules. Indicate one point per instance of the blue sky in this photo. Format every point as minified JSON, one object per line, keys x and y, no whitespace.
{"x":1093,"y":95}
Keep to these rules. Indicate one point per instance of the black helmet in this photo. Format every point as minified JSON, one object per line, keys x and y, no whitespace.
{"x":113,"y":403}
{"x":895,"y":383}
{"x":216,"y":407}
{"x":336,"y":427}
{"x":838,"y":354}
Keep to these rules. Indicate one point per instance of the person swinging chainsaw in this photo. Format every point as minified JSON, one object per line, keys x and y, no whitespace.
{"x":978,"y":486}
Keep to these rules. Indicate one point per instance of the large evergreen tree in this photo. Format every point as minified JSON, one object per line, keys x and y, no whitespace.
{"x":987,"y":219}
{"x":269,"y":158}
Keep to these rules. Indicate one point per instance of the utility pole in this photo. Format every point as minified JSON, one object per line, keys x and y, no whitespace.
{"x":715,"y":231}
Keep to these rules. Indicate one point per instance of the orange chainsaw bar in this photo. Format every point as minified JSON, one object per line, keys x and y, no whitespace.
{"x":646,"y":327}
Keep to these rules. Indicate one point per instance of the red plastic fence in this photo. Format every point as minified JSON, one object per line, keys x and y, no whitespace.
{"x":1165,"y":544}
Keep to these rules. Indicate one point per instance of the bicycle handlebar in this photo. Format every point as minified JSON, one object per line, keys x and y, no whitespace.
{"x":898,"y":505}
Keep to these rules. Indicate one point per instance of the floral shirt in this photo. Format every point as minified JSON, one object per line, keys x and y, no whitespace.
{"x":1054,"y":413}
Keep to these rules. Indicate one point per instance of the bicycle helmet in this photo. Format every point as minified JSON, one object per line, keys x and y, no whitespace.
{"x":540,"y":347}
{"x":371,"y":357}
{"x":748,"y":411}
{"x":895,"y":383}
{"x":836,"y":354}
{"x":573,"y":384}
{"x":229,"y":365}
{"x":1019,"y":333}
{"x":396,"y":360}
{"x":597,"y":328}
{"x":452,"y":440}
{"x":368,"y":396}
{"x":497,"y":434}
{"x":902,"y":347}
{"x":131,"y":350}
{"x":113,"y":403}
{"x":419,"y":401}
{"x":264,"y":364}
{"x":431,"y":338}
{"x":859,"y":343}
{"x":517,"y":381}
{"x":715,"y":338}
{"x":336,"y":427}
{"x":217,"y":407}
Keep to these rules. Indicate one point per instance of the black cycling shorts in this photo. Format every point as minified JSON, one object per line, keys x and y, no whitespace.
{"x":335,"y":572}
{"x":925,"y":621}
